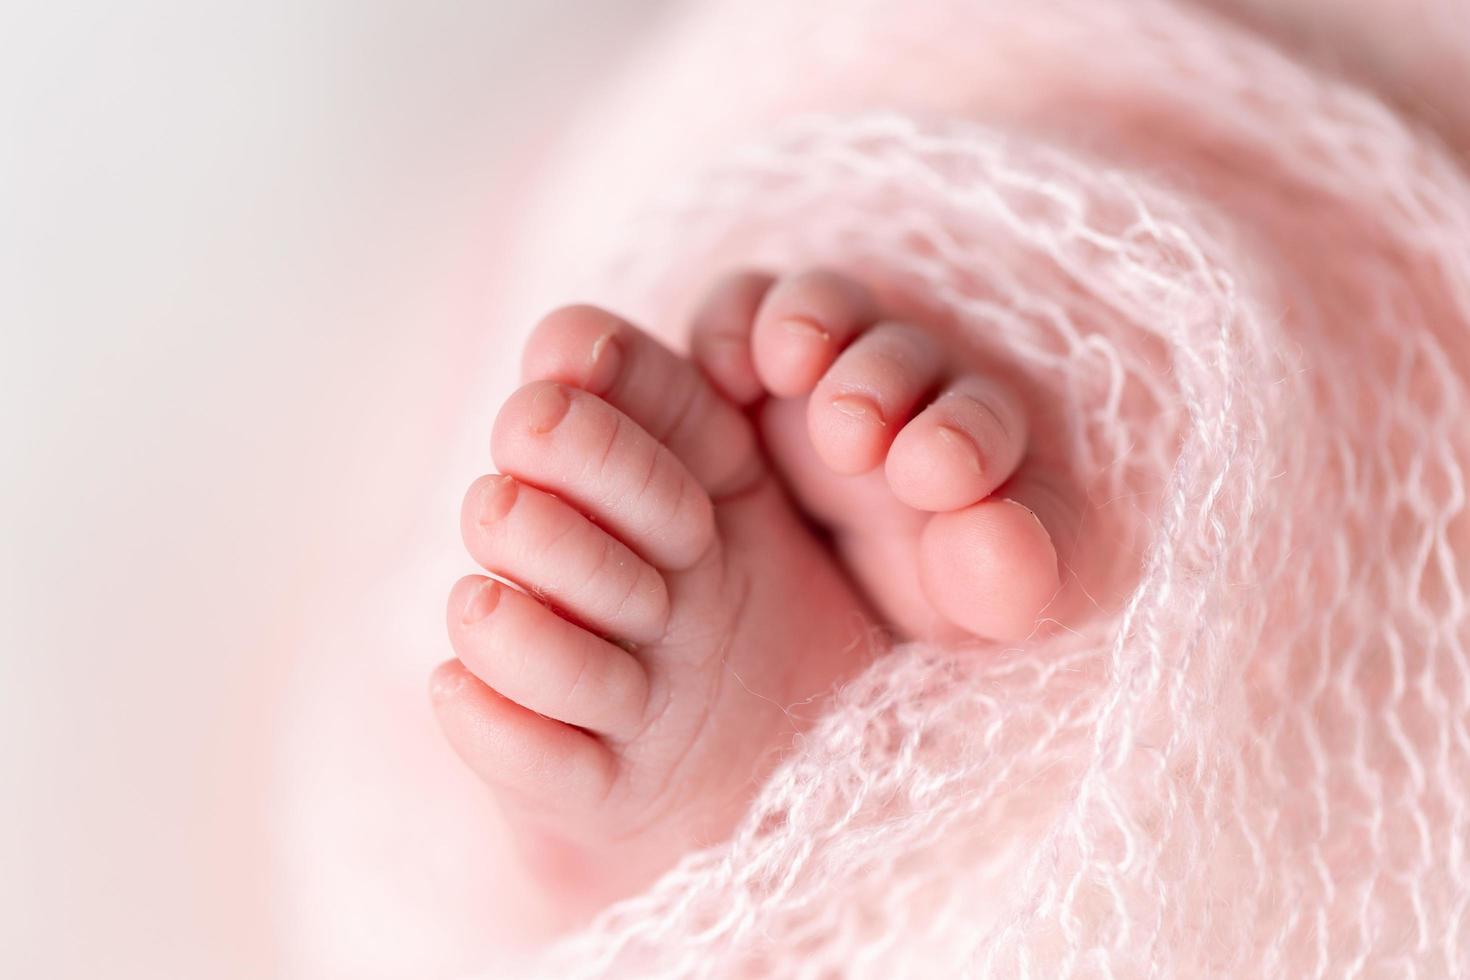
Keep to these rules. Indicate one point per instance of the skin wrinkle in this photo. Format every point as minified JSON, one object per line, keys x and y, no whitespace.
{"x":596,"y":572}
{"x":676,"y":509}
{"x":1005,"y":430}
{"x":620,"y":607}
{"x":568,"y":524}
{"x":653,"y":461}
{"x":609,"y":444}
{"x":695,"y":393}
{"x":660,"y":804}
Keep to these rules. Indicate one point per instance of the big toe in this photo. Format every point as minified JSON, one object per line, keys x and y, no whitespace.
{"x":990,"y":568}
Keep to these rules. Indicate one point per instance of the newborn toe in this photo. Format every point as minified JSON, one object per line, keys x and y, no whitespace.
{"x":990,"y":568}
{"x":959,"y":449}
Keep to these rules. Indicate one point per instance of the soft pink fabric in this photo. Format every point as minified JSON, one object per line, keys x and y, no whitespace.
{"x":1246,"y":287}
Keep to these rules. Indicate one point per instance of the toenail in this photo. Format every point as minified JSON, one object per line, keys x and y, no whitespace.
{"x":446,"y":683}
{"x":603,"y":364}
{"x":1029,"y":512}
{"x":858,"y":407}
{"x":959,"y":442}
{"x":482,"y":603}
{"x":548,"y":407}
{"x":497,"y":497}
{"x":802,"y":327}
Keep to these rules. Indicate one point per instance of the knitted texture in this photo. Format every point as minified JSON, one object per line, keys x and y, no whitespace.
{"x":1245,"y":289}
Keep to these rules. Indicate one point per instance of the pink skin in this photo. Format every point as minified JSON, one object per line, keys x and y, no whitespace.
{"x":897,"y":450}
{"x":686,"y":623}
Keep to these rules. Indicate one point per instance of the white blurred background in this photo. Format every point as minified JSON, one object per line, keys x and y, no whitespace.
{"x":242,"y":247}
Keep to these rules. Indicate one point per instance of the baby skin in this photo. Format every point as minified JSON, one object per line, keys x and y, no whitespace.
{"x":701,"y":550}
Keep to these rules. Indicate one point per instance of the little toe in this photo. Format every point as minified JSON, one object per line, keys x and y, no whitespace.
{"x":869,"y":394}
{"x":803,"y":324}
{"x":579,"y":447}
{"x":541,"y":543}
{"x":719,"y":339}
{"x":538,"y":762}
{"x":990,"y":568}
{"x":532,"y":656}
{"x":665,"y":394}
{"x":960,"y":448}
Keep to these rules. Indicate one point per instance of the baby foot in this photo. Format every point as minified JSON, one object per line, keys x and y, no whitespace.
{"x":673,"y":621}
{"x":909,"y":456}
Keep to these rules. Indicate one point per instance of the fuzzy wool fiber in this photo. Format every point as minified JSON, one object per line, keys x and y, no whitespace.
{"x":1241,"y":286}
